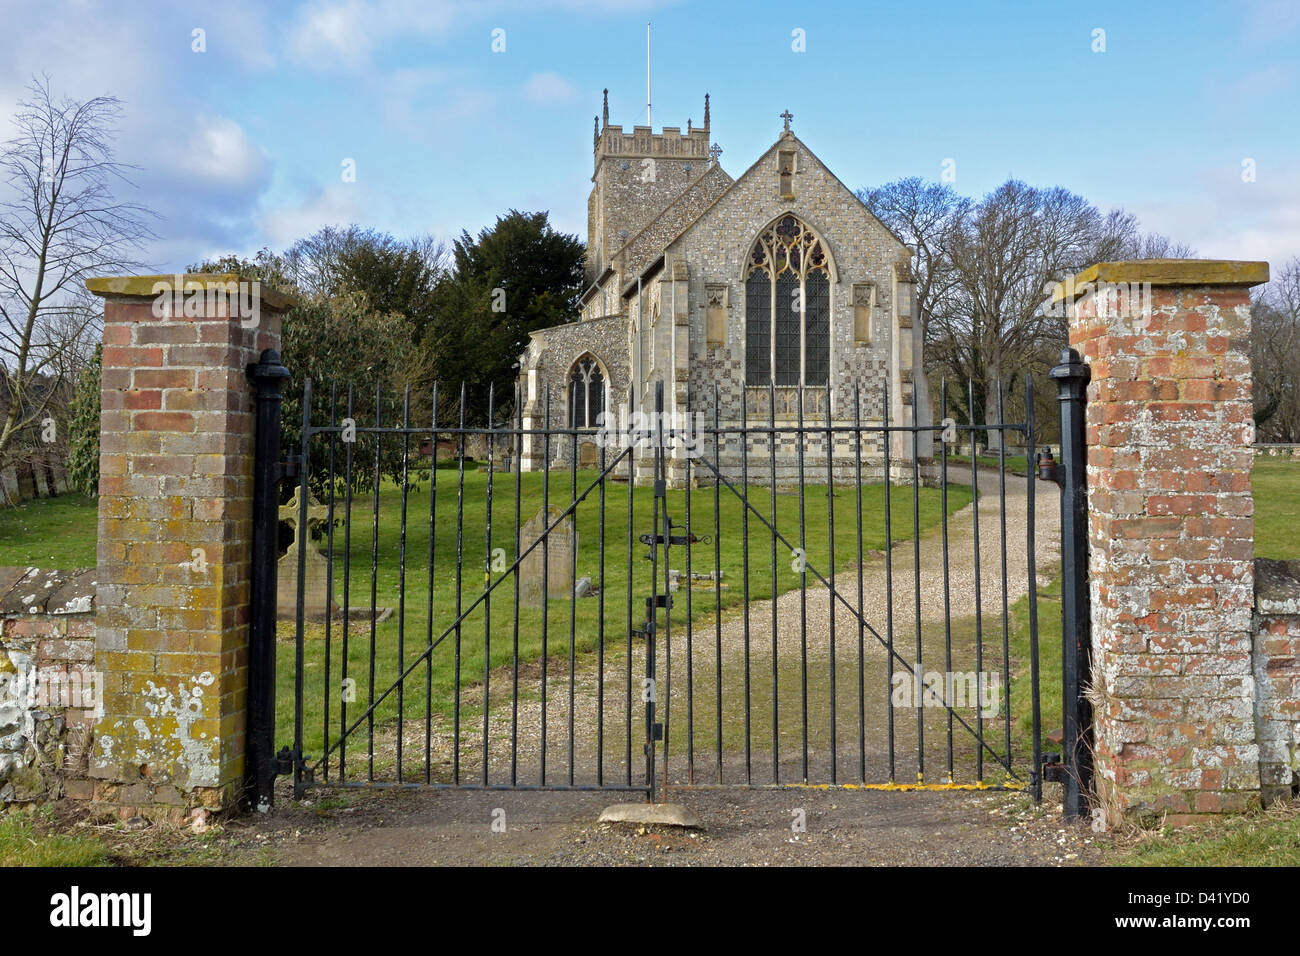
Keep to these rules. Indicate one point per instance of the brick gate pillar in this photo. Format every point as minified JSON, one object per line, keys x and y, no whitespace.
{"x":175,"y":524}
{"x":1171,"y":532}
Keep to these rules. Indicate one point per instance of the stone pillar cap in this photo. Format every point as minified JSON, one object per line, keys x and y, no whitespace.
{"x":1166,"y":272}
{"x":146,"y":287}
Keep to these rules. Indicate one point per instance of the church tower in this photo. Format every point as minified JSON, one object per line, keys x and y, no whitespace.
{"x":637,"y":174}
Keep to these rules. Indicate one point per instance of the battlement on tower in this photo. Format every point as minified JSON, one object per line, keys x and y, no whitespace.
{"x":642,"y":141}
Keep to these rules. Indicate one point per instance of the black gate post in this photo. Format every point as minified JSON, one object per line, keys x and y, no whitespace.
{"x":260,"y":762}
{"x":1072,"y":377}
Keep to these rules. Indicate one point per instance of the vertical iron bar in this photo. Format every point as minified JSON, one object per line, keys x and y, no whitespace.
{"x":546,"y":564}
{"x":1072,"y":377}
{"x":514,"y":645}
{"x":329,"y":583}
{"x":653,"y":603}
{"x":347,"y":585}
{"x":862,"y":689}
{"x":830,"y":520}
{"x":374,"y":586}
{"x":487,"y":579}
{"x":401,"y":580}
{"x":915,"y":433}
{"x":304,"y":542}
{"x":460,"y":567}
{"x":268,"y":374}
{"x":1036,"y":774}
{"x":717,"y":588}
{"x":1006,"y":638}
{"x":690,"y":646}
{"x":947,"y":580}
{"x":803,"y":597}
{"x":776,"y":700}
{"x":979,"y":592}
{"x":633,"y":441}
{"x":889,"y":584}
{"x":600,"y":623}
{"x":428,"y":637}
{"x":573,"y":579}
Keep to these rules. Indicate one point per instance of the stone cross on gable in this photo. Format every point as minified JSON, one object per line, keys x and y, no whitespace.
{"x":714,"y":152}
{"x":787,"y":116}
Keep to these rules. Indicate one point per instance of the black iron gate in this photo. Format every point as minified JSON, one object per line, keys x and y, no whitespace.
{"x":799,"y":659}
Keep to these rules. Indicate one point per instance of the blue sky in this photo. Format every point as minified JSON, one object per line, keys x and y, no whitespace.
{"x":242,"y":146}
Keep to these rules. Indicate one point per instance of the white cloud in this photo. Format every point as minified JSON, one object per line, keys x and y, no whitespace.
{"x":217,"y":154}
{"x":334,"y":205}
{"x":1222,"y":217}
{"x":328,"y":34}
{"x":548,"y":88}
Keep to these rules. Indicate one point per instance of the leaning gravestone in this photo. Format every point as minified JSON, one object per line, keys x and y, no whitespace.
{"x":560,"y":546}
{"x":315,"y":571}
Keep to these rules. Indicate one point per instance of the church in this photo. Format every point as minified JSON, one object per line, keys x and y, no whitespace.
{"x":776,"y":287}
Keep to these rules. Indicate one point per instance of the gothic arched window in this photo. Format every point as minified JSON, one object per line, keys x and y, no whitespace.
{"x":787,"y":307}
{"x":586,"y":393}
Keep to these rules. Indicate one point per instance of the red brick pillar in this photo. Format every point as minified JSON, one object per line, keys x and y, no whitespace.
{"x":175,"y":507}
{"x":1171,"y":531}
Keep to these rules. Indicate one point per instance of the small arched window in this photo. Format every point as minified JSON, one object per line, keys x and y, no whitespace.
{"x":586,"y":393}
{"x":787,"y":307}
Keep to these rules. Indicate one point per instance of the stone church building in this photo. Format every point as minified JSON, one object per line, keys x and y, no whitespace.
{"x":777,"y":284}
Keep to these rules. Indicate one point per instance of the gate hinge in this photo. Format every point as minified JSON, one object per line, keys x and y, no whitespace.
{"x":661,"y":488}
{"x":284,"y":762}
{"x":1049,"y":468}
{"x":657,"y":731}
{"x":288,"y":468}
{"x":1053,"y":769}
{"x":659,"y":600}
{"x":645,"y":630}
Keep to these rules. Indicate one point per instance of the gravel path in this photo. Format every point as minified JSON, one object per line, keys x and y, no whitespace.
{"x":962,"y":590}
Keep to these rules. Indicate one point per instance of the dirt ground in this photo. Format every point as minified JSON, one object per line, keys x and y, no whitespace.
{"x":741,"y":828}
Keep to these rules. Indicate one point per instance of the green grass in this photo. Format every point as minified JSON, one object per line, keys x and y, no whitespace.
{"x":50,"y":533}
{"x":1049,"y":670}
{"x":1276,"y":483}
{"x":400,"y":639}
{"x":23,"y":843}
{"x":1261,"y":838}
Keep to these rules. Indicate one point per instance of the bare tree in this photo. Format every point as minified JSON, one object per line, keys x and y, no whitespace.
{"x":982,"y":269}
{"x":922,"y":215}
{"x":1275,"y":344}
{"x":62,"y":225}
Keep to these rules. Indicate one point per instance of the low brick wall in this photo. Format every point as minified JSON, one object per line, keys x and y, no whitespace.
{"x":49,"y":688}
{"x":1276,"y":666}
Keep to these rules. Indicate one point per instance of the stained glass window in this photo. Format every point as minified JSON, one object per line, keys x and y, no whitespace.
{"x":758,"y":329}
{"x":586,"y":393}
{"x":787,"y":307}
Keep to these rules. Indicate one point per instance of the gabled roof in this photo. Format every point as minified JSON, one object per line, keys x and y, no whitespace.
{"x":713,"y":181}
{"x":785,"y":138}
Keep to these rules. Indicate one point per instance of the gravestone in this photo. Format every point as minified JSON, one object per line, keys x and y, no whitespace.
{"x":560,"y":545}
{"x":315,"y":576}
